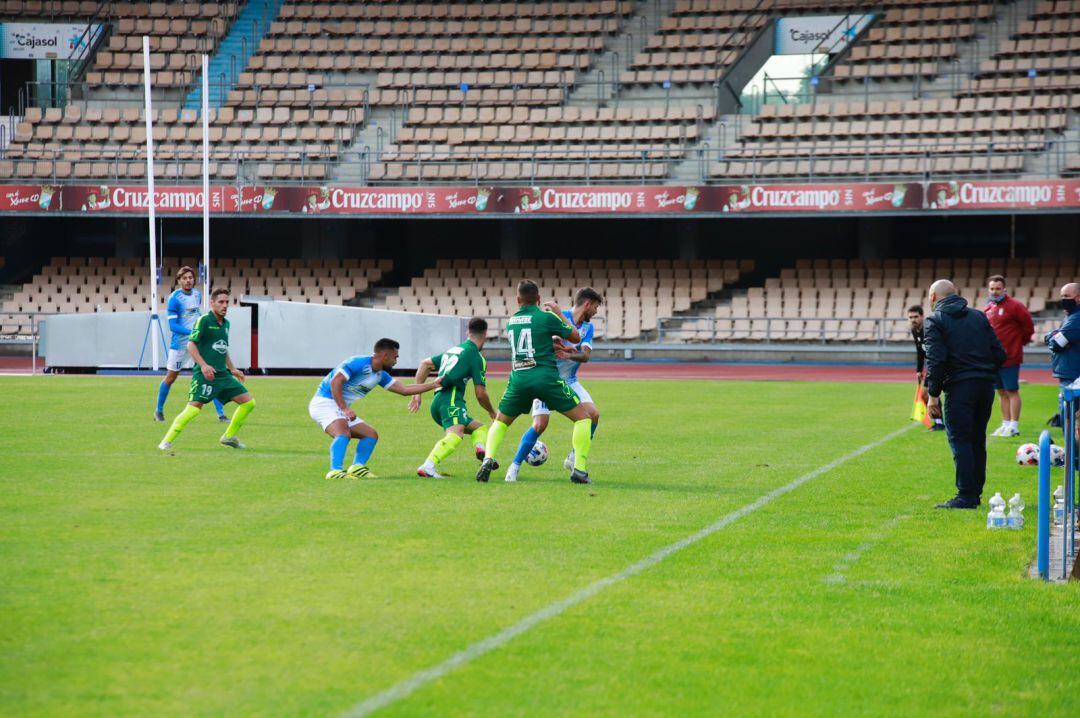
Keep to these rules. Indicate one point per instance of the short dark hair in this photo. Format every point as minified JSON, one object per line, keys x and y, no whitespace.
{"x":478,"y":326}
{"x":218,"y":290}
{"x":385,"y":344}
{"x":587,"y":294}
{"x":917,"y":308}
{"x":184,"y":270}
{"x":997,"y":278}
{"x":528,"y":291}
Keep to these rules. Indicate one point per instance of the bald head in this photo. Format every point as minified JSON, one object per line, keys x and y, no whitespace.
{"x":939,"y":290}
{"x":1070,"y":290}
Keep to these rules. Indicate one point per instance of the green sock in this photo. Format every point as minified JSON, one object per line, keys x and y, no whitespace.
{"x":478,"y":436}
{"x":495,"y":437}
{"x":582,"y":444}
{"x":444,"y":447}
{"x":238,"y":418}
{"x":182,"y":420}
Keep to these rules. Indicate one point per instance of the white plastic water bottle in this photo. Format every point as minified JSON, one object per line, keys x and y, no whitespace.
{"x":1059,"y":505}
{"x":996,"y":518}
{"x":1015,"y":519}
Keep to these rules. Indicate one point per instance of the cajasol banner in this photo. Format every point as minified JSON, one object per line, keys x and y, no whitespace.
{"x":804,"y":35}
{"x":45,"y":40}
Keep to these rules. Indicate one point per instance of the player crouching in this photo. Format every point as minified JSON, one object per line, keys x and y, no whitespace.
{"x":456,"y":366}
{"x":349,"y":381}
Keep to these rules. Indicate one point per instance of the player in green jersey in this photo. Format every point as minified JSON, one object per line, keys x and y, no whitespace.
{"x":534,"y":375}
{"x":214,"y":375}
{"x":456,"y":366}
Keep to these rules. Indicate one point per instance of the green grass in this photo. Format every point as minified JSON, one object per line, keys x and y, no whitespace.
{"x":219,"y":582}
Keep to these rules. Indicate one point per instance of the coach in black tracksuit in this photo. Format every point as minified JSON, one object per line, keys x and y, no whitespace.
{"x":962,"y":358}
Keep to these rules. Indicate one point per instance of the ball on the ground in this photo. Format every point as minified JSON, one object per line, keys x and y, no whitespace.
{"x":1027,"y":455}
{"x":1057,"y":455}
{"x":538,"y":455}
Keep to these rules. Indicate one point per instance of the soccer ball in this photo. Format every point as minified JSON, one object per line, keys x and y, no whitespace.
{"x":1027,"y":455}
{"x":1057,"y":455}
{"x":538,"y":455}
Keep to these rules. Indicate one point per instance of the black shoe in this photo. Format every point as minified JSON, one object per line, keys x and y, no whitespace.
{"x":223,"y":419}
{"x":937,"y":427}
{"x":486,"y":468}
{"x":159,"y":416}
{"x":958,"y":503}
{"x":1055,"y":421}
{"x":580,"y":477}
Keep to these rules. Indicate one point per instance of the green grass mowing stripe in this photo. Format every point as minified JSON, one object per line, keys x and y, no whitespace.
{"x":480,"y":648}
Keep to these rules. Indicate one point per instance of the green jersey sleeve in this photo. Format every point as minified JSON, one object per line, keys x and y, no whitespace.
{"x":559,"y":326}
{"x":479,"y":374}
{"x":197,"y":330}
{"x":437,"y":361}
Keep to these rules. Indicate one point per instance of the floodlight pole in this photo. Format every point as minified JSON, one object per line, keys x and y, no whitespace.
{"x":151,"y":199}
{"x":206,"y":184}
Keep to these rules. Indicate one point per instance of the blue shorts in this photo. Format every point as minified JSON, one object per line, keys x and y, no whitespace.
{"x":1008,"y":378}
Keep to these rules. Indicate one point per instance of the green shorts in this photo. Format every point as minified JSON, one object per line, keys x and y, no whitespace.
{"x":224,"y":388}
{"x":547,"y":386}
{"x":448,"y":409}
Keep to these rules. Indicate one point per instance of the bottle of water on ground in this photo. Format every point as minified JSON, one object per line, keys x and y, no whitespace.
{"x":1015,"y":519}
{"x":1059,"y":505}
{"x":996,"y":518}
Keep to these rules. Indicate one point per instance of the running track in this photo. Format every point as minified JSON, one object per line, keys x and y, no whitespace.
{"x":716,"y":371}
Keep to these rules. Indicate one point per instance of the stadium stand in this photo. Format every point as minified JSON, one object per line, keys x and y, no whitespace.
{"x":473,"y":91}
{"x":99,"y":284}
{"x":636,"y":292}
{"x":866,"y":300}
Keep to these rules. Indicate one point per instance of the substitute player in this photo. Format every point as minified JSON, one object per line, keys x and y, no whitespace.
{"x":214,"y":375}
{"x":534,"y":375}
{"x":569,"y":358}
{"x":456,"y":366}
{"x":331,"y":408}
{"x":183,"y":311}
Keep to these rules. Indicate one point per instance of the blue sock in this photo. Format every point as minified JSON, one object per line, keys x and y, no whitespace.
{"x":220,"y":407}
{"x":337,"y":452}
{"x":595,"y":424}
{"x":528,"y":441}
{"x":364,"y":449}
{"x":162,"y":395}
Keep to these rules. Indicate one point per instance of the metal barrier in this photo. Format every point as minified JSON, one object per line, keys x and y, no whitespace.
{"x":876,"y":331}
{"x":23,"y":328}
{"x":1049,"y":512}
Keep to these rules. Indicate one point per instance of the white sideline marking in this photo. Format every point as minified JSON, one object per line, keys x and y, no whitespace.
{"x":840,"y":570}
{"x":474,"y":651}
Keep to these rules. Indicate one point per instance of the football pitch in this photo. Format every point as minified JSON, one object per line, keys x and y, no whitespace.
{"x":222,"y":582}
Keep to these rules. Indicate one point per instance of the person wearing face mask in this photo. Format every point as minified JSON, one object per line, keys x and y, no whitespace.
{"x":963,"y":355}
{"x":1012,"y":323}
{"x":1064,"y":342}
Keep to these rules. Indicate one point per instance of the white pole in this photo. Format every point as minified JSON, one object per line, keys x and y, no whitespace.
{"x":206,"y":184}
{"x":155,"y":322}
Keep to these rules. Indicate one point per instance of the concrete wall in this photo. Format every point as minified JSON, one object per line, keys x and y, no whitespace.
{"x":115,"y":340}
{"x":293,"y":335}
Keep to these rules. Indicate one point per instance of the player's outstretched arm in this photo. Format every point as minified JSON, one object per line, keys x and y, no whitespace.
{"x":484,"y":400}
{"x":207,"y":370}
{"x":413,"y":389}
{"x":567,"y":351}
{"x":422,"y":373}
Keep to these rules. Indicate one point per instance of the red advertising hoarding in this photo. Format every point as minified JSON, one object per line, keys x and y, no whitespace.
{"x":614,"y":200}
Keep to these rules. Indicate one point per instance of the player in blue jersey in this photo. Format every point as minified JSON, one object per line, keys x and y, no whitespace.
{"x":570,"y":357}
{"x":183,"y":310}
{"x":350,"y":380}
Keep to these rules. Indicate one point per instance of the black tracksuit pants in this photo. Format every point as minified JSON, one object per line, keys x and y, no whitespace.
{"x":967,"y":412}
